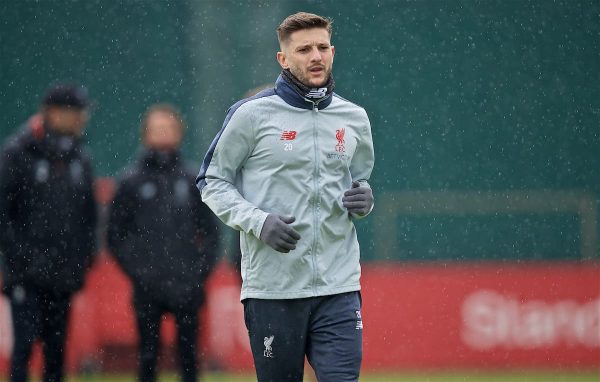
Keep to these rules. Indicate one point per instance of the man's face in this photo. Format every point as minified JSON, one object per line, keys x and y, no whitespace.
{"x":66,"y":120}
{"x":308,"y":54}
{"x":163,"y":131}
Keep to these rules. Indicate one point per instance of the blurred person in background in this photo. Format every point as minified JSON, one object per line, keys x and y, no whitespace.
{"x":164,"y":238}
{"x":290,"y":169}
{"x":47,"y":225}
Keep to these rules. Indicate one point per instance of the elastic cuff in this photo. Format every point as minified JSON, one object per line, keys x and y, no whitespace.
{"x":260,"y":217}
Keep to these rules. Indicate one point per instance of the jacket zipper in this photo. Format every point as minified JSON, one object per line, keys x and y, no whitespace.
{"x":317,"y":197}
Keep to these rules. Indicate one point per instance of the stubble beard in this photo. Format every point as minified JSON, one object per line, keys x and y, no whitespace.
{"x":304,"y":77}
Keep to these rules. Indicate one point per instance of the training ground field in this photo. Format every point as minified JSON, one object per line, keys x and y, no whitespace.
{"x":400,"y":377}
{"x":409,"y":377}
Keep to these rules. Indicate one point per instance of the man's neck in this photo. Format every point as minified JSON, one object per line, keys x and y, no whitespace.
{"x":314,"y":94}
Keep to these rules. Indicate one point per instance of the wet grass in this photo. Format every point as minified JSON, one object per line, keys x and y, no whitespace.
{"x":485,"y":377}
{"x":389,"y":377}
{"x":529,"y":376}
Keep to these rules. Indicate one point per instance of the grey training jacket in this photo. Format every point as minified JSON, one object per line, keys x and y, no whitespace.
{"x":279,"y":153}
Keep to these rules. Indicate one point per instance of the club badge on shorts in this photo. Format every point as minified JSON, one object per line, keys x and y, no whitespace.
{"x":268,"y":349}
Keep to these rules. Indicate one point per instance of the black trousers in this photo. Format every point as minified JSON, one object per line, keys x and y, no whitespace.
{"x":327,"y":330}
{"x":39,"y":314}
{"x":149,"y":313}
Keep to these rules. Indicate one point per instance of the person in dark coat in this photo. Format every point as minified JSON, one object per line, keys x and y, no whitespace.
{"x":165,"y":240}
{"x":47,"y":225}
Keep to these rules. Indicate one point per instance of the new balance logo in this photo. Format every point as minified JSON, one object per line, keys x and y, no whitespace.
{"x":317,"y":93}
{"x":359,"y":323}
{"x":288,"y":135}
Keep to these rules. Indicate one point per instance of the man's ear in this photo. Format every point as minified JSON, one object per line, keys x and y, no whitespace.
{"x":332,"y":51}
{"x":282,"y":60}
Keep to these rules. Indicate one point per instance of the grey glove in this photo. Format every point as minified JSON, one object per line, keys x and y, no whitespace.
{"x":278,"y":234}
{"x":359,"y":199}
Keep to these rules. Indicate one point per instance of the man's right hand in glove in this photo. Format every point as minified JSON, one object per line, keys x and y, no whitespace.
{"x":278,"y":234}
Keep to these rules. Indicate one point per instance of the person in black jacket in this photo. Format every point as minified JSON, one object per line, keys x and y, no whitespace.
{"x":164,"y":238}
{"x":47,"y":225}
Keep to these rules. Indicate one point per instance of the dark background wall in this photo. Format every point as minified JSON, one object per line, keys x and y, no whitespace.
{"x":487,"y":101}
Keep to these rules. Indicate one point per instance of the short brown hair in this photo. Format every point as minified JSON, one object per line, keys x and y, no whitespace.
{"x":299,"y":21}
{"x":161,"y":108}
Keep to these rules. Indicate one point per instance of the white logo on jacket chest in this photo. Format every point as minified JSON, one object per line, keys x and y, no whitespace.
{"x":148,"y":190}
{"x":41,"y":171}
{"x":181,"y":192}
{"x":76,"y":172}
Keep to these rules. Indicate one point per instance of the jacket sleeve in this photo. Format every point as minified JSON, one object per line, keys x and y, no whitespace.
{"x":216,"y":181}
{"x":9,"y":187}
{"x":90,"y":216}
{"x":363,"y":160}
{"x":120,"y":223}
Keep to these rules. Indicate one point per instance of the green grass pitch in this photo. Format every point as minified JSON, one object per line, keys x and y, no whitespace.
{"x":509,"y":376}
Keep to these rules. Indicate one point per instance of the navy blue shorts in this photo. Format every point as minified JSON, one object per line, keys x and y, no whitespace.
{"x":327,"y":330}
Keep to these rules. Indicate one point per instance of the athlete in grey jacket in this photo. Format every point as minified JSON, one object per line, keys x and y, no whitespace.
{"x":289,"y":169}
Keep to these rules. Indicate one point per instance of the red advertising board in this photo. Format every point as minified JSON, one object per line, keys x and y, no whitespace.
{"x":475,"y":315}
{"x":485,"y":315}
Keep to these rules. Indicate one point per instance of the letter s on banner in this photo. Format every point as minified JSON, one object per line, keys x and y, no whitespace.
{"x":485,"y":322}
{"x":491,"y":319}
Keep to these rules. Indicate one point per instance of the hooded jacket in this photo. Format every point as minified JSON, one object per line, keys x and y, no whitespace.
{"x":281,"y":153}
{"x":47,"y":210}
{"x":160,"y":232}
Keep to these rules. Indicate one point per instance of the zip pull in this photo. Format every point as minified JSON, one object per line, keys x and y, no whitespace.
{"x":316,"y":107}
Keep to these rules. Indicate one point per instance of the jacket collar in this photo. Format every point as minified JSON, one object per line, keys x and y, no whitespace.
{"x":288,"y":94}
{"x":37,"y":136}
{"x":159,"y":159}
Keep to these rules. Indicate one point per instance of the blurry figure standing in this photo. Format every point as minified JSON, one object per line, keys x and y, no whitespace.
{"x":47,"y":225}
{"x":165,"y":240}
